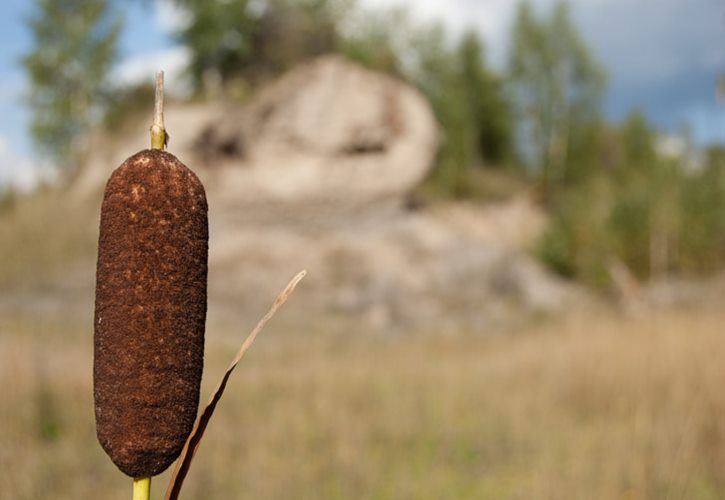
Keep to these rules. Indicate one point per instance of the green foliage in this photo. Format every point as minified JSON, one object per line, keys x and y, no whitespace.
{"x":702,"y":198}
{"x":237,"y":40}
{"x":578,"y":241}
{"x":613,"y":196}
{"x":483,"y":91}
{"x":375,"y":38}
{"x":638,"y":141}
{"x":468,"y":100}
{"x":556,"y":88}
{"x":74,"y":46}
{"x":291,"y":31}
{"x":436,"y":74}
{"x":49,"y":423}
{"x":655,"y":214}
{"x":219,"y":35}
{"x":466,"y":96}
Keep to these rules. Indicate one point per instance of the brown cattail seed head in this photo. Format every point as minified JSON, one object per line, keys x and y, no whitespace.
{"x":150,"y":311}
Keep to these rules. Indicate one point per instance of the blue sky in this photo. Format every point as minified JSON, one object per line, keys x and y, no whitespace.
{"x":143,"y":37}
{"x":662,"y":56}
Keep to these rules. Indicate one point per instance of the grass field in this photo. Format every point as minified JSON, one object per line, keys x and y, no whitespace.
{"x":587,"y":407}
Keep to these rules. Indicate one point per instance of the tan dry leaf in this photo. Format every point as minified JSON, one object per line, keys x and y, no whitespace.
{"x":181,"y":468}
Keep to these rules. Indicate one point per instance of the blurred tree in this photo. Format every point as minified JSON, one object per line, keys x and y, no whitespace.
{"x":655,"y":213}
{"x":434,"y":72}
{"x":291,"y":31}
{"x":220,"y":36}
{"x":468,"y":100}
{"x":578,"y":242}
{"x":254,"y":41}
{"x":639,"y":143}
{"x":375,"y":38}
{"x":482,"y":90}
{"x":556,"y":88}
{"x":647,"y":216}
{"x":74,"y":47}
{"x":702,"y":243}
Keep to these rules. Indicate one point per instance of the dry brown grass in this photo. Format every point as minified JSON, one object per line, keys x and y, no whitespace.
{"x":45,"y":236}
{"x":584,"y":408}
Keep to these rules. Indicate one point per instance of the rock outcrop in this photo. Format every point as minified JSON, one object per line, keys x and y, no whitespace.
{"x":328,"y":134}
{"x":314,"y":173}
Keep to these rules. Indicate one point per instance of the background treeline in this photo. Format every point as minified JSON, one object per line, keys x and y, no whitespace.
{"x":614,"y":195}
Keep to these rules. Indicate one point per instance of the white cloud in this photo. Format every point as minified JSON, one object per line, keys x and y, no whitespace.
{"x":491,"y":18}
{"x":169,"y":17}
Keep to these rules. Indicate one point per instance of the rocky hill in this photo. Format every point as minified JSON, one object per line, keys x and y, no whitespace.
{"x":314,"y":173}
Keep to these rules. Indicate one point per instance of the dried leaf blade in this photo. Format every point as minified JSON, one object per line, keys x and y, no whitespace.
{"x":183,"y":463}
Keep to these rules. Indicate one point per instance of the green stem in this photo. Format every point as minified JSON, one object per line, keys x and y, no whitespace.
{"x":142,"y":488}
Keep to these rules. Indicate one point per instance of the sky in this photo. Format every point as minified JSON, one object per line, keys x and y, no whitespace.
{"x":663,"y":57}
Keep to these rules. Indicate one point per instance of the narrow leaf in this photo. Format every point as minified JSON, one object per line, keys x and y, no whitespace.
{"x":192,"y":443}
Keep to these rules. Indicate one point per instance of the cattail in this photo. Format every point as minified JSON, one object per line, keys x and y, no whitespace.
{"x":150,"y":311}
